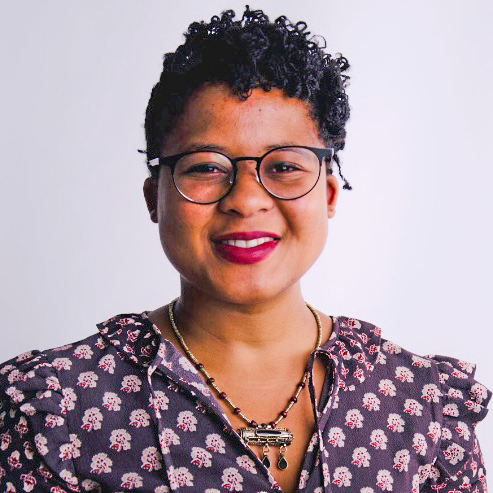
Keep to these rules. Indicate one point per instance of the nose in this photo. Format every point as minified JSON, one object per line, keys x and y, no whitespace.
{"x":248,"y":196}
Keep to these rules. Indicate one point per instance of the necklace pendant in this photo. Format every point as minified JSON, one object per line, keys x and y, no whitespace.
{"x":265,"y":456}
{"x":282,"y":463}
{"x":276,"y":437}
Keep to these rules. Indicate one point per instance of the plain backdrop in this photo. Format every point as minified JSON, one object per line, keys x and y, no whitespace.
{"x":409,"y":249}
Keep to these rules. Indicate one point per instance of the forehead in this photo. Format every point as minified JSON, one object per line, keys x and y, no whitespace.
{"x":214,"y":115}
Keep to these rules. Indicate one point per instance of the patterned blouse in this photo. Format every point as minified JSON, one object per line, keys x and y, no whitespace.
{"x":124,"y":410}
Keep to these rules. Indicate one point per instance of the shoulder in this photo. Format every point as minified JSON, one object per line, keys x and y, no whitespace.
{"x":359,"y":338}
{"x":443,"y":378}
{"x":43,"y":382}
{"x":122,"y":339}
{"x":443,"y":388}
{"x":34,"y":409}
{"x":48,"y":376}
{"x":43,"y":393}
{"x":37,"y":366}
{"x":37,"y":446}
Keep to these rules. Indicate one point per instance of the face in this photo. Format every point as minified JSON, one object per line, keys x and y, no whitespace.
{"x":189,"y":232}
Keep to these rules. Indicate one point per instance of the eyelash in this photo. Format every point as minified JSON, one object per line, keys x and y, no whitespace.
{"x":293,"y":167}
{"x":199,"y":168}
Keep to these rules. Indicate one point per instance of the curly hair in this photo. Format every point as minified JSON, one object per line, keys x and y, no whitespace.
{"x":245,"y":54}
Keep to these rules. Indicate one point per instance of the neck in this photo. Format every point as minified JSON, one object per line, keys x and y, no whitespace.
{"x":283,"y":322}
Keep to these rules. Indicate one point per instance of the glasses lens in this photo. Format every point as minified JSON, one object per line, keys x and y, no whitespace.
{"x":289,"y":172}
{"x":203,"y":177}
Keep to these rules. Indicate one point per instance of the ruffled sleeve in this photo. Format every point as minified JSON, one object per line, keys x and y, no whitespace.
{"x":459,"y":464}
{"x":36,"y":448}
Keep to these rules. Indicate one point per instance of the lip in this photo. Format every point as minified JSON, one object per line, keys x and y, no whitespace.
{"x":246,"y":235}
{"x":245,"y":256}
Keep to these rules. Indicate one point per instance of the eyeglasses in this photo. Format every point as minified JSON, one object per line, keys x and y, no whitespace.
{"x":206,"y":177}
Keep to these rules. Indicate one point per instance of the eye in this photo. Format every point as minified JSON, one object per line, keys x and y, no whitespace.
{"x":205,"y":168}
{"x":283,"y":167}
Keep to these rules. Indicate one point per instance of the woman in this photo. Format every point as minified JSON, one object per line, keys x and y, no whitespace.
{"x":239,"y":384}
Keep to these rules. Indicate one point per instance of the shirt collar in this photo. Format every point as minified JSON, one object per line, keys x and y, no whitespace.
{"x":353,"y":347}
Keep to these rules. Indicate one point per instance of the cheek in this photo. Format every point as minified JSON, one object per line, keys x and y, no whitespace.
{"x":177,"y":219}
{"x":178,"y":225}
{"x":310,"y":216}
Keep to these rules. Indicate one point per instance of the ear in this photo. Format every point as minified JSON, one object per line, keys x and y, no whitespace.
{"x":332,"y":194}
{"x":150,"y":194}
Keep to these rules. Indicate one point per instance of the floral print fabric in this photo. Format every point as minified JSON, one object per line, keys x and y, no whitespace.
{"x":124,"y":410}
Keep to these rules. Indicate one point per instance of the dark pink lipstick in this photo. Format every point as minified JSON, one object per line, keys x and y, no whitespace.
{"x":246,"y":247}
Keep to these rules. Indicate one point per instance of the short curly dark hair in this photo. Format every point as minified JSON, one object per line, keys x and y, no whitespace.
{"x":245,"y":54}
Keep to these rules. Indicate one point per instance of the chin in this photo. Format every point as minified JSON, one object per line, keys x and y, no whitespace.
{"x":239,"y":292}
{"x":249,"y":298}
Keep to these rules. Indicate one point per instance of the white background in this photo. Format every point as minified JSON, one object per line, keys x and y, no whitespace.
{"x":410,"y":247}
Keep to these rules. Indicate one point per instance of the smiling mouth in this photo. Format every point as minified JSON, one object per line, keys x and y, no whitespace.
{"x":248,"y":243}
{"x":246,"y":247}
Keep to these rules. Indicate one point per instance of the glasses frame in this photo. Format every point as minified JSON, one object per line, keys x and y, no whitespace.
{"x":172,"y":160}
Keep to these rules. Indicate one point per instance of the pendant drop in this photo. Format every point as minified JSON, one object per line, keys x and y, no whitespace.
{"x":268,"y":435}
{"x":265,"y":456}
{"x":282,"y":463}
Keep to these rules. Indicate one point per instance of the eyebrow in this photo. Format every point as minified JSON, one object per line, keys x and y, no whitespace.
{"x":198,"y":146}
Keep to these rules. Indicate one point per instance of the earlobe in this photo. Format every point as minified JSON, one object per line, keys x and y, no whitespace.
{"x":150,"y":194}
{"x":332,"y":194}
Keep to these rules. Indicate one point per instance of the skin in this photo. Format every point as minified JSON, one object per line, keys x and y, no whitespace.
{"x":244,"y":322}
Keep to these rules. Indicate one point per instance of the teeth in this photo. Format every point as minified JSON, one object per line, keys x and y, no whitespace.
{"x":248,"y":243}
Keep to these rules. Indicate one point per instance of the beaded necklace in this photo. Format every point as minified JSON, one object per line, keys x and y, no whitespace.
{"x":254,"y":434}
